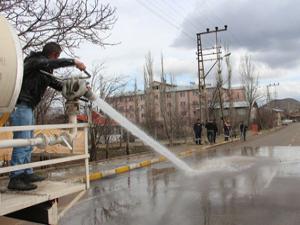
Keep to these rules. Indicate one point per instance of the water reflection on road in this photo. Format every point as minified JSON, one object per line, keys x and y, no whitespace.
{"x":244,"y":186}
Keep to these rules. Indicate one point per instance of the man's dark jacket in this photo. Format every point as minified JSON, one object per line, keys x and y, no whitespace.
{"x":35,"y":82}
{"x":210,"y":126}
{"x":198,"y":128}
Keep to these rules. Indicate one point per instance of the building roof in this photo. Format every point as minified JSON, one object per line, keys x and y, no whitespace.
{"x":128,"y":94}
{"x":170,"y":88}
{"x":183,"y":88}
{"x":239,"y":104}
{"x":277,"y":110}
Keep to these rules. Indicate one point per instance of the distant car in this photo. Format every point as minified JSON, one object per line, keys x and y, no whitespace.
{"x":286,"y":122}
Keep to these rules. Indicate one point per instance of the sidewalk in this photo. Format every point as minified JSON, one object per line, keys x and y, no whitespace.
{"x":127,"y":163}
{"x":123,"y":164}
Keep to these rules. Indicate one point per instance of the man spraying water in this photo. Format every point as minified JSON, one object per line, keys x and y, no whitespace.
{"x":34,"y":85}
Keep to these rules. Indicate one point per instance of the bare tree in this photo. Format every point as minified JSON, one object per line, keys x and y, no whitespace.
{"x":213,"y":103}
{"x":68,"y":22}
{"x":172,"y":110}
{"x":42,"y":109}
{"x":219,"y":86}
{"x":163,"y":104}
{"x":229,"y":90}
{"x":136,"y":103}
{"x":149,"y":93}
{"x":249,"y":79}
{"x":104,"y":88}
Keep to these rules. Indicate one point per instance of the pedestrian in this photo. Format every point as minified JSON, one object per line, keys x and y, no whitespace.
{"x":198,"y":132}
{"x":226,"y":130}
{"x":210,"y":131}
{"x":34,"y":85}
{"x":243,"y":130}
{"x":215,"y":128}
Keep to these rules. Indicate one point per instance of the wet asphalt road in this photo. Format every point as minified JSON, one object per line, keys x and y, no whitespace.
{"x":250,"y":183}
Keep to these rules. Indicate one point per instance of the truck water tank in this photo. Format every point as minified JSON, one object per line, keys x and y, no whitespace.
{"x":11,"y":66}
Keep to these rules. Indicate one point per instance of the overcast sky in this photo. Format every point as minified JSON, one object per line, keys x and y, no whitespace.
{"x":267,"y":30}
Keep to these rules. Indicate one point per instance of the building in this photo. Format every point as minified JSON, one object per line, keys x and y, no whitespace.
{"x":180,"y":103}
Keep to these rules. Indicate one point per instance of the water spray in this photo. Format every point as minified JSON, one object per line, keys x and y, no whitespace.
{"x":75,"y":88}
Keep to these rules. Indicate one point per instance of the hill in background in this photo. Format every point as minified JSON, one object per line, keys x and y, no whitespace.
{"x":287,"y":104}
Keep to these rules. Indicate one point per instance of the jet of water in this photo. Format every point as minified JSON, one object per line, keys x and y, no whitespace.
{"x":124,"y":122}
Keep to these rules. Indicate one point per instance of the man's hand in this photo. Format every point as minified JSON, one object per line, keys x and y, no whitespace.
{"x":79,"y":65}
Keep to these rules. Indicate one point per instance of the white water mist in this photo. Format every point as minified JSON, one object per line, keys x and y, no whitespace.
{"x":124,"y":122}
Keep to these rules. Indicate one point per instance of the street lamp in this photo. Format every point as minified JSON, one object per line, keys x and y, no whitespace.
{"x":254,"y":100}
{"x":226,"y":55}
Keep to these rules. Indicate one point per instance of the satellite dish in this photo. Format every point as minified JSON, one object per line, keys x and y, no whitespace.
{"x":11,"y":66}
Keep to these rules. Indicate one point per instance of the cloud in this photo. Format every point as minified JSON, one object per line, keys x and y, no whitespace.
{"x":177,"y":67}
{"x":284,"y":90}
{"x":269,"y":28}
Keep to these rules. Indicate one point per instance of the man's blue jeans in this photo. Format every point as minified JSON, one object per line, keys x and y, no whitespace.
{"x":23,"y":115}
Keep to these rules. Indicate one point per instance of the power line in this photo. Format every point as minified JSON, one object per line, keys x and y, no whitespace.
{"x":221,"y":20}
{"x":175,"y":11}
{"x":166,"y":20}
{"x":164,"y":9}
{"x":178,"y":11}
{"x":196,"y":24}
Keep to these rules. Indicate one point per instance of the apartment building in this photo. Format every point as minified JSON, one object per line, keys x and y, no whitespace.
{"x":181,"y":102}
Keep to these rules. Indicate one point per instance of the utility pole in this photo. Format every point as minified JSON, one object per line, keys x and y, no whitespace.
{"x":201,"y":73}
{"x":269,"y":95}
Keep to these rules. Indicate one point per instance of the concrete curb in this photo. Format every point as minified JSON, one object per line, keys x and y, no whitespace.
{"x":123,"y":169}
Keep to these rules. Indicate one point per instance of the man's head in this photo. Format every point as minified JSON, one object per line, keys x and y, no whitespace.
{"x":52,"y":50}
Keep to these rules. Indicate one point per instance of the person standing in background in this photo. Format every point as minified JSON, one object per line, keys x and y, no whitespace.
{"x":215,"y":127}
{"x":198,"y":132}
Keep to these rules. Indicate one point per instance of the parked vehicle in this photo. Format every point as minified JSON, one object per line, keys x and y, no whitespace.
{"x":286,"y":122}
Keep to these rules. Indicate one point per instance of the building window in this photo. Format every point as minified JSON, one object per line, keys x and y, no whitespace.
{"x":182,"y":103}
{"x":182,"y":94}
{"x":168,"y":95}
{"x":156,"y":96}
{"x":169,"y":105}
{"x":183,"y":113}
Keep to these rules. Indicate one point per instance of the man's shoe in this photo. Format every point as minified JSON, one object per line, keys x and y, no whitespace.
{"x":30,"y":178}
{"x":17,"y":183}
